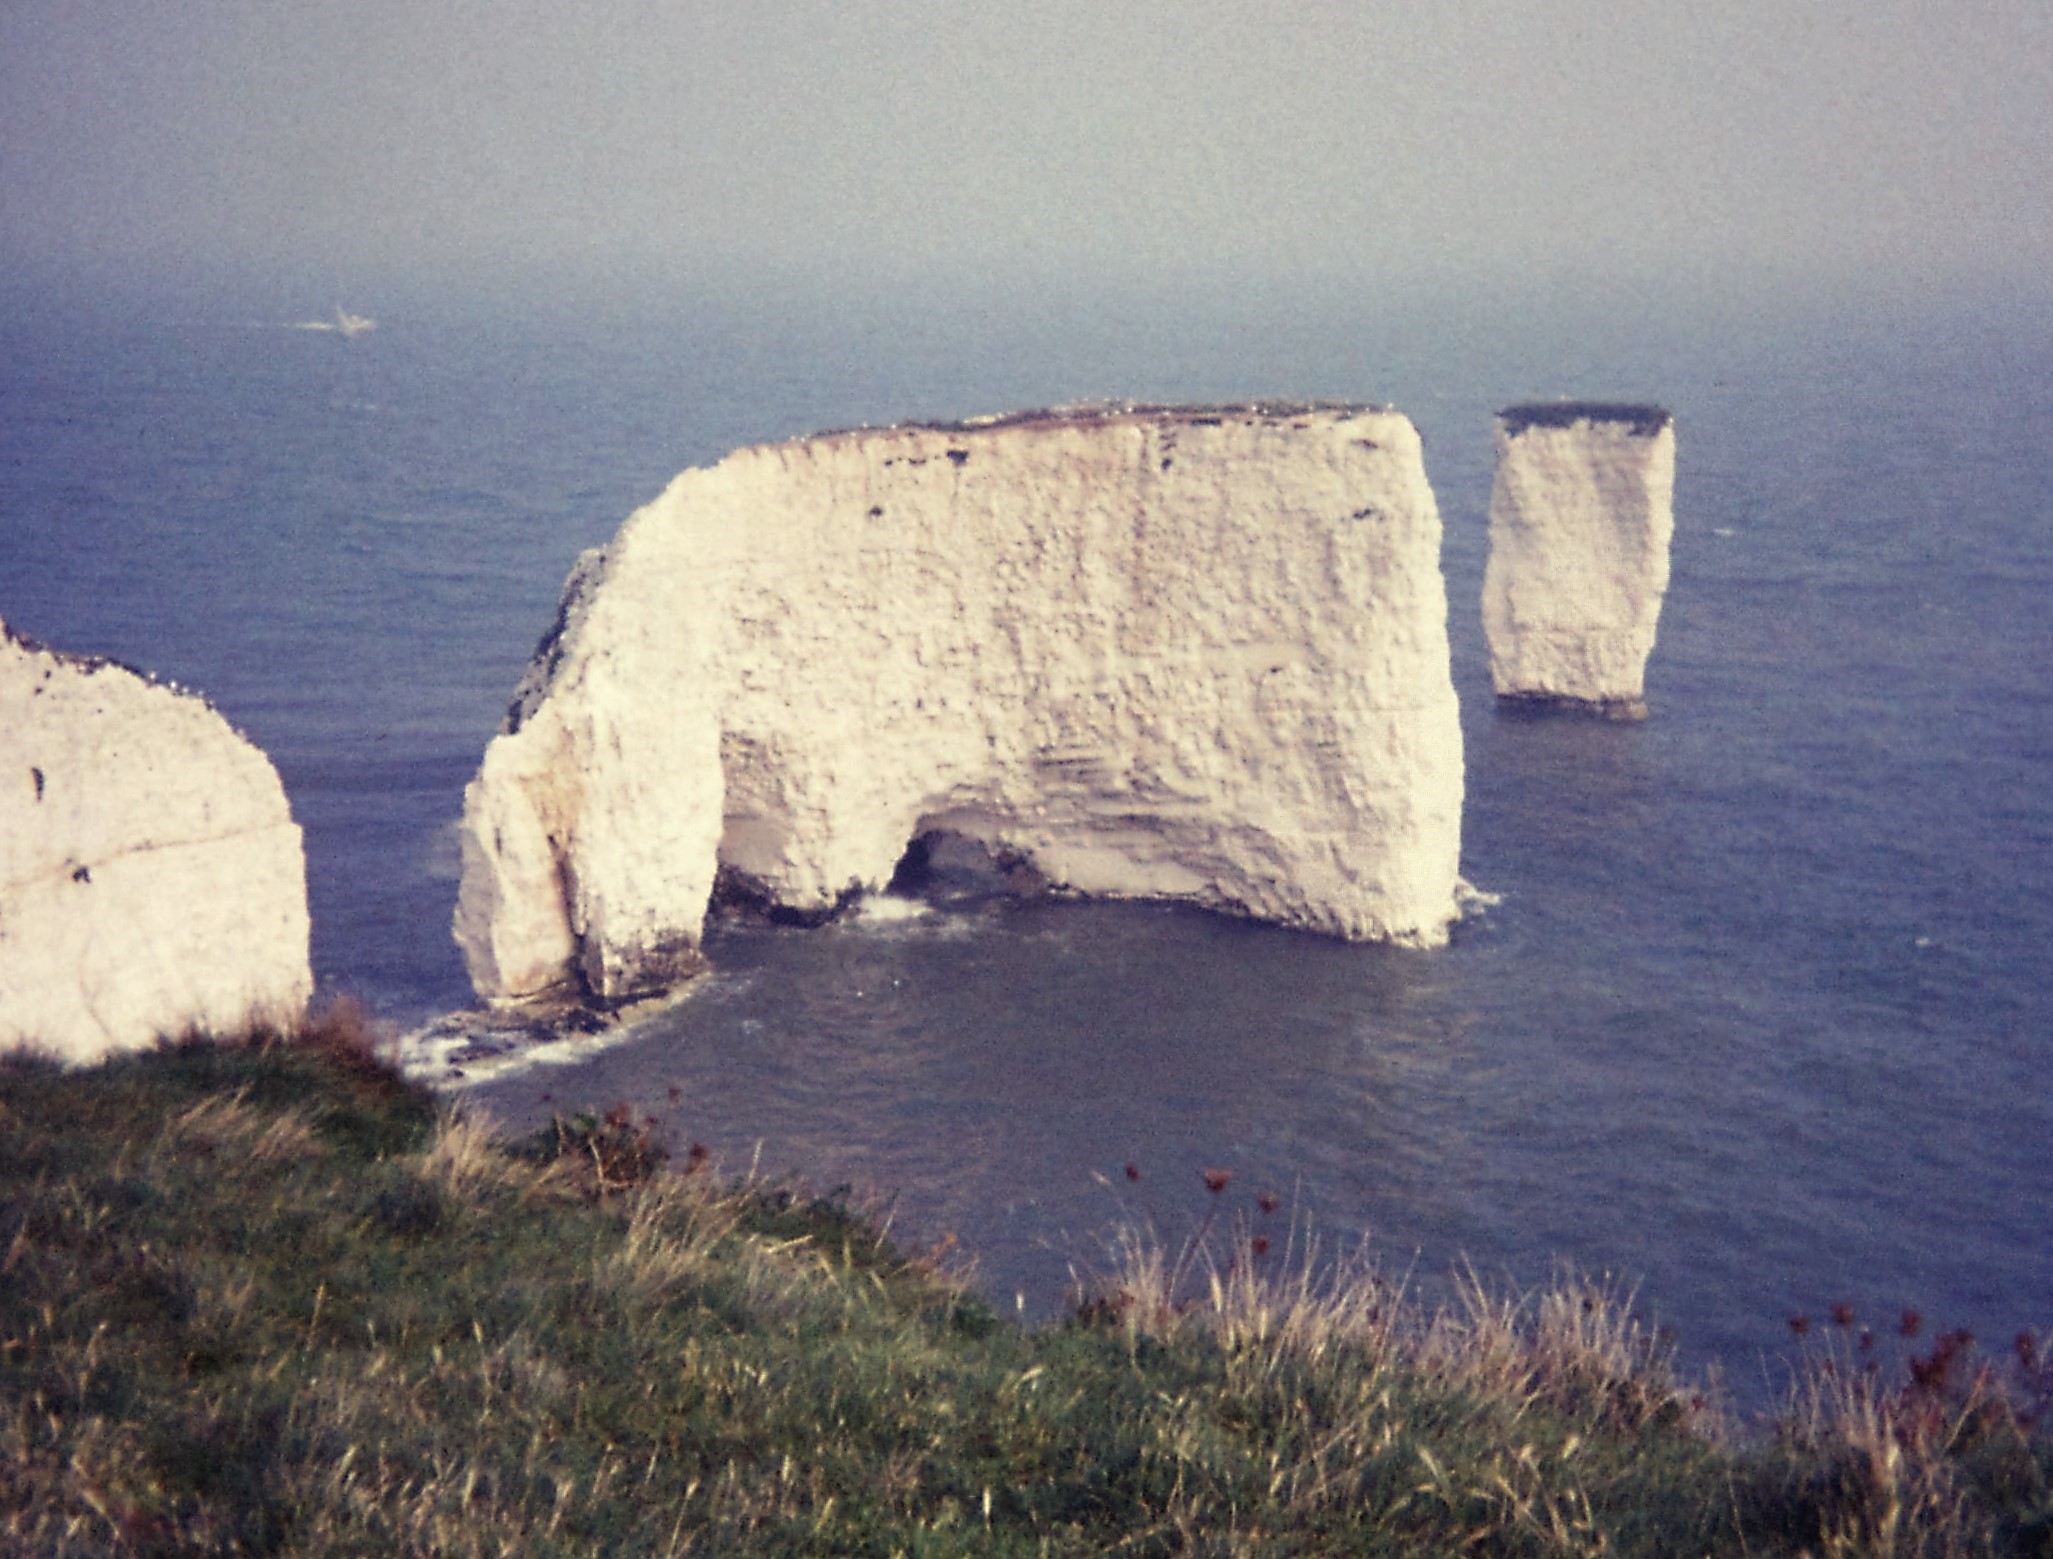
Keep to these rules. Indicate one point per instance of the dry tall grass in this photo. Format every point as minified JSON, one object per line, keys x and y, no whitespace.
{"x":268,"y":1299}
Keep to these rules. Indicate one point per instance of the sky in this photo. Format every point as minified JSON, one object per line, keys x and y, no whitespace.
{"x":1246,"y":137}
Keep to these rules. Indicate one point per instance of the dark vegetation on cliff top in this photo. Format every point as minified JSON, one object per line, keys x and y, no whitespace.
{"x":1646,"y":420}
{"x":1210,"y":413}
{"x":270,"y":1297}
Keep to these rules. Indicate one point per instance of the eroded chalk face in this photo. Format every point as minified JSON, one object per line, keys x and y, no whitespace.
{"x":1581,"y":518}
{"x":152,"y":880}
{"x":1185,"y":653}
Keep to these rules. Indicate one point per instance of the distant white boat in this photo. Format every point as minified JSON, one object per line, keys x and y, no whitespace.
{"x":343,"y":324}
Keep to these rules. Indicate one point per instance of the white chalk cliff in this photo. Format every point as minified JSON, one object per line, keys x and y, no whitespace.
{"x":1581,"y":516}
{"x":152,"y":880}
{"x":1182,"y":653}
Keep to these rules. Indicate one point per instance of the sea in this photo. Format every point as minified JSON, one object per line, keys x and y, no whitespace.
{"x":1753,"y":1017}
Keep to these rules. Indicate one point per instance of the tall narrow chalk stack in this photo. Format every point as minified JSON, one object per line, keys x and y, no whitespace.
{"x":1581,"y":515}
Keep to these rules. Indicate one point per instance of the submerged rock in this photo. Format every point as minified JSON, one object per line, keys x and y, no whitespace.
{"x":1180,"y":653}
{"x":1581,"y":515}
{"x":152,"y":880}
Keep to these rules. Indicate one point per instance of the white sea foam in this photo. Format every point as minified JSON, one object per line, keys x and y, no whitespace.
{"x":1473,"y":900}
{"x":465,"y":1049}
{"x":889,"y":909}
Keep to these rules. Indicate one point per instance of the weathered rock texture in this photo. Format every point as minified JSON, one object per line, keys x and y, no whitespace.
{"x":152,"y":880}
{"x":1194,"y":654}
{"x":1580,"y":520}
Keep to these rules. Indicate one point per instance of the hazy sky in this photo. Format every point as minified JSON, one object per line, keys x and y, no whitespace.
{"x":1909,"y":136}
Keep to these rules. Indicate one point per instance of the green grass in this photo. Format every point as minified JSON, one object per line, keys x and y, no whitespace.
{"x":266,"y":1297}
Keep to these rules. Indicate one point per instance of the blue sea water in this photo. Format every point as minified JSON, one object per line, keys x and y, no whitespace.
{"x":1760,"y":1020}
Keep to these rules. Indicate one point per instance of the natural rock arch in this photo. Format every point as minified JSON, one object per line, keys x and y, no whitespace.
{"x":1193,"y":653}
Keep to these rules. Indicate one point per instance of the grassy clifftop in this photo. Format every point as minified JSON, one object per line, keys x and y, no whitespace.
{"x":268,"y":1297}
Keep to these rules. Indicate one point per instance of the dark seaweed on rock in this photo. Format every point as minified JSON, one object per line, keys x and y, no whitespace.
{"x":1646,"y":420}
{"x":88,"y":664}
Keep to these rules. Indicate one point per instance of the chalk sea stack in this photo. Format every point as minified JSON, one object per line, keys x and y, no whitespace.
{"x":1184,"y":653}
{"x":152,"y":880}
{"x":1581,"y":516}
